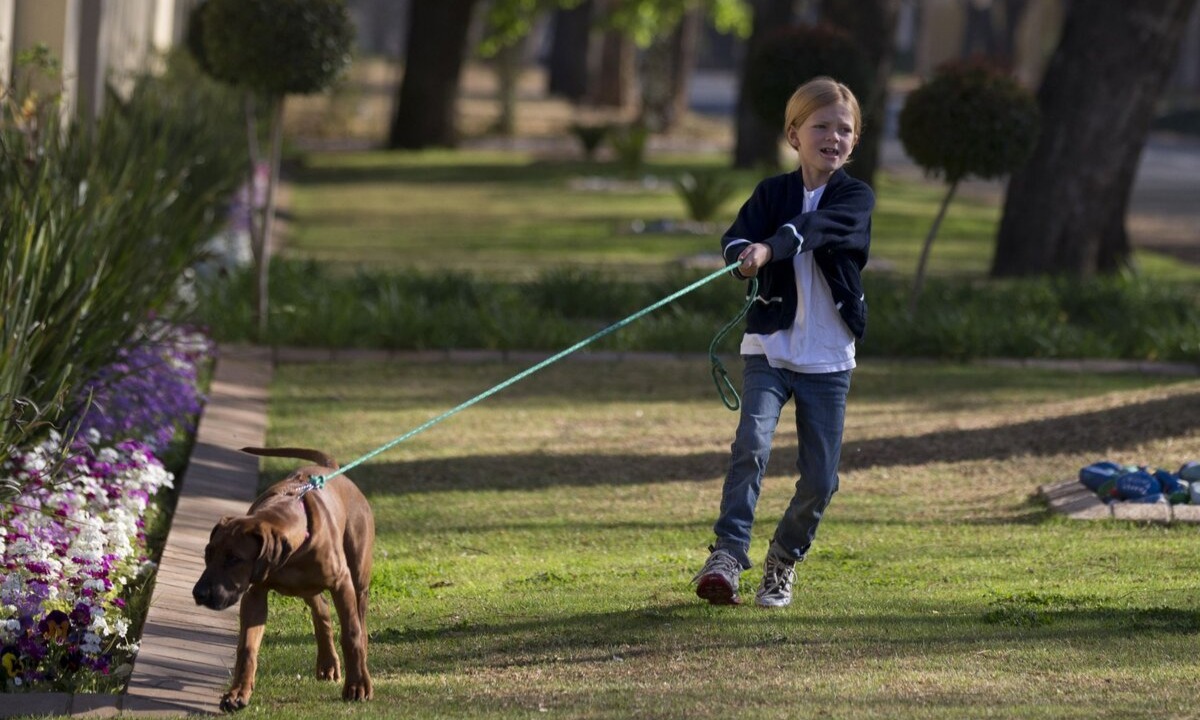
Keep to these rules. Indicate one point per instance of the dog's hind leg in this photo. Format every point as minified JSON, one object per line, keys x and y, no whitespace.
{"x":327,"y":658}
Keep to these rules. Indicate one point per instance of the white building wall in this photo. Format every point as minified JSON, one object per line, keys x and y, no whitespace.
{"x":8,"y":10}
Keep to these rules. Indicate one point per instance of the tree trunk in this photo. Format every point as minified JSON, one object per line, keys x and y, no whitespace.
{"x":428,"y":93}
{"x":1065,"y":210}
{"x":684,"y":46}
{"x":1014,"y":11}
{"x":262,"y":214}
{"x":614,"y":84}
{"x":923,"y":262}
{"x":872,"y":23}
{"x":654,"y":78}
{"x":567,"y":75}
{"x":757,"y":142}
{"x":508,"y":63}
{"x":979,"y":35}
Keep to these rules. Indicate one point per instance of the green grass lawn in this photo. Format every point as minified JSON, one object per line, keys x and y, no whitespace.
{"x":506,"y":214}
{"x":509,"y":215}
{"x":534,"y":552}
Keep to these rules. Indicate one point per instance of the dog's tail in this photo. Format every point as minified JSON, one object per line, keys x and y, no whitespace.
{"x":314,"y":456}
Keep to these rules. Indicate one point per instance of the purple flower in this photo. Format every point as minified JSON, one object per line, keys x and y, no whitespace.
{"x":81,"y":616}
{"x":77,"y":530}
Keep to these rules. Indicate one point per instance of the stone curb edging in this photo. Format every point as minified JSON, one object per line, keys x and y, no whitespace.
{"x":280,"y":355}
{"x":1072,"y":499}
{"x":187,"y":653}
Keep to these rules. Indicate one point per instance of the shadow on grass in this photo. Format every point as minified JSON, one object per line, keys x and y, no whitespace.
{"x":1096,"y":431}
{"x":696,"y":628}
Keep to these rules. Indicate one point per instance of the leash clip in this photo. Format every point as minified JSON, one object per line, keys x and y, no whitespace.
{"x":315,"y":482}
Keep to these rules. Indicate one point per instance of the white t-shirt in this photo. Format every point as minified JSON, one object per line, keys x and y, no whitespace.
{"x":818,"y":341}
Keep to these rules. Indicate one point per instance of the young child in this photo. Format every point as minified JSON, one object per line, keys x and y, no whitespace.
{"x":805,"y":235}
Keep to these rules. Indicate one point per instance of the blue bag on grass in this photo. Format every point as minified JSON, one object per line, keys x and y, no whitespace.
{"x":1149,"y":499}
{"x":1190,"y":471}
{"x":1137,"y":484}
{"x":1171,"y":486}
{"x":1094,"y":475}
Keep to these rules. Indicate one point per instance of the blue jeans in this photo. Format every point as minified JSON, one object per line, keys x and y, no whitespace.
{"x":820,"y":415}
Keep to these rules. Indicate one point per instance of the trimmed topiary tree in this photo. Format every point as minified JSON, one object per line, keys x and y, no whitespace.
{"x":793,"y":55}
{"x":270,"y":48}
{"x":970,"y":119}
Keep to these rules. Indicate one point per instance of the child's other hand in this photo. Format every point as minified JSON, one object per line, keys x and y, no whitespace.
{"x":753,"y":258}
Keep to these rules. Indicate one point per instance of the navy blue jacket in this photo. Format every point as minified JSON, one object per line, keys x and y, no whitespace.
{"x":837,"y":232}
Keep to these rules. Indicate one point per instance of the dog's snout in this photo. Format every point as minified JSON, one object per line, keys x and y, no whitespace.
{"x":202,"y":593}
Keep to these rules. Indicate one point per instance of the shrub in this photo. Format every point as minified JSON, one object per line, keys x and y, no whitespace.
{"x":271,"y":48}
{"x":969,"y":119}
{"x":629,"y":145}
{"x":704,"y":193}
{"x":1128,"y":318}
{"x":590,"y":138}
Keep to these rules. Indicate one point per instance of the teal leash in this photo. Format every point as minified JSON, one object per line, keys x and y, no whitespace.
{"x":316,"y":482}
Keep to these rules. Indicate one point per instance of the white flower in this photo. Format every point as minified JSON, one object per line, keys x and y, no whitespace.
{"x":90,"y":644}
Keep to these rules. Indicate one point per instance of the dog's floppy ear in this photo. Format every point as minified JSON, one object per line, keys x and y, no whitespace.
{"x":220,"y":524}
{"x":275,"y":550}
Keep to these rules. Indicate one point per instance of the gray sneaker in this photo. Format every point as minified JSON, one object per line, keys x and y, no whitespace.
{"x":717,"y":582}
{"x":779,"y":572}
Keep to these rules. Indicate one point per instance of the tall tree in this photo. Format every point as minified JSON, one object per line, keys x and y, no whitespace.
{"x":756,"y":141}
{"x":570,"y":46}
{"x":666,"y":30}
{"x":666,"y":72}
{"x":427,"y":97}
{"x":873,"y":24}
{"x":614,"y":82}
{"x":1065,"y":210}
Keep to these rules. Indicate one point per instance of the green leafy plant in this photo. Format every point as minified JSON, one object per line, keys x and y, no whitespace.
{"x":591,"y":137}
{"x":970,"y":119}
{"x":629,"y":145}
{"x":959,"y":318}
{"x":97,"y":225}
{"x":704,"y":193}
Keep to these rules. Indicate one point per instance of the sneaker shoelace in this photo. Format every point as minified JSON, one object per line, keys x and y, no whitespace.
{"x":778,"y":576}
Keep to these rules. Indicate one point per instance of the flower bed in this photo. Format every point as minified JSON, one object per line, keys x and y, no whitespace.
{"x":74,"y":543}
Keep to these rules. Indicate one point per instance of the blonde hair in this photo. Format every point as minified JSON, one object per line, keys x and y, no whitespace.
{"x":816,"y":94}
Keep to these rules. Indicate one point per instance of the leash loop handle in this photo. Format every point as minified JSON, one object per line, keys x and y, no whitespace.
{"x":725,"y":389}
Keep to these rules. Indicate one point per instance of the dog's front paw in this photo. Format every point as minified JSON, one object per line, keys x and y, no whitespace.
{"x":234,"y":700}
{"x":329,"y":671}
{"x":358,"y":691}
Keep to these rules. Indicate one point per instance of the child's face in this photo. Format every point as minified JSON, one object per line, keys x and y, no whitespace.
{"x":823,"y":142}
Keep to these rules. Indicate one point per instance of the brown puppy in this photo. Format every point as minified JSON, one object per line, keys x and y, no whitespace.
{"x":300,"y":544}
